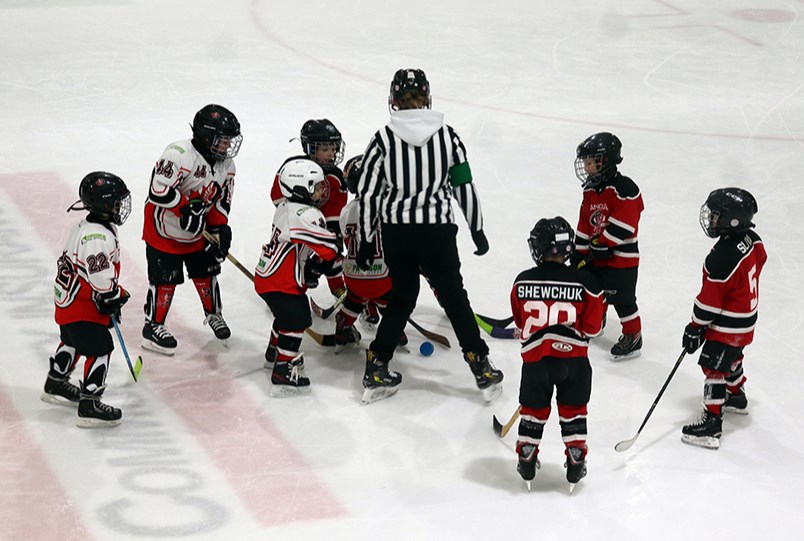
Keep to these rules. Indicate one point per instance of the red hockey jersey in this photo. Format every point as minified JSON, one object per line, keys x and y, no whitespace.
{"x":88,"y":267}
{"x":729,"y":297}
{"x":369,"y":284}
{"x":556,"y":309}
{"x":610,"y":213}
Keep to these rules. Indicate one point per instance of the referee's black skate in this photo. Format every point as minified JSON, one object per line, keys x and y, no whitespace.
{"x":156,"y":337}
{"x":488,"y":378}
{"x":59,"y":391}
{"x":378,"y":381}
{"x":288,"y":379}
{"x":576,"y":465}
{"x":528,"y":462}
{"x":219,"y":327}
{"x":705,"y":432}
{"x":92,"y":413}
{"x":627,"y":347}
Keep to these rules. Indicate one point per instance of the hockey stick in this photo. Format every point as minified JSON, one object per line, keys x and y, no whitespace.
{"x":500,"y":429}
{"x":434,"y":336}
{"x":503,"y":323}
{"x":626,"y":444}
{"x":135,"y":370}
{"x":324,"y":313}
{"x":496,"y":327}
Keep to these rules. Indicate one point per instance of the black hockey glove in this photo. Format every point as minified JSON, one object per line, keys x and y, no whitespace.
{"x":599,"y":250}
{"x":220,"y":249}
{"x":192,"y":216}
{"x":365,"y":255}
{"x":111,"y":306}
{"x":313,"y":270}
{"x":693,"y":337}
{"x":481,"y":242}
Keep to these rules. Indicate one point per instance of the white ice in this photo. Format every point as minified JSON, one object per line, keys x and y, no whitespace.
{"x":702,"y":93}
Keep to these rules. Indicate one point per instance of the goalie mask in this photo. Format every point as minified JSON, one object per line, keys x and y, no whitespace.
{"x":596,"y":159}
{"x":322,"y":142}
{"x":299,"y":179}
{"x":216,"y":132}
{"x":104,"y":195}
{"x":551,"y":236}
{"x":728,"y":210}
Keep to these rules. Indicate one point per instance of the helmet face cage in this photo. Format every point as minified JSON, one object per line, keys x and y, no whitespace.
{"x":601,"y":154}
{"x":551,"y":236}
{"x":409,"y":81}
{"x":106,"y":196}
{"x":322,"y":142}
{"x":218,"y":131}
{"x":727,"y":210}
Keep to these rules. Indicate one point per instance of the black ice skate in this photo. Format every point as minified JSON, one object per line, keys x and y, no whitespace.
{"x":346,"y":337}
{"x":219,"y":327}
{"x":488,"y":378}
{"x":270,"y":357}
{"x":59,"y":391}
{"x":528,"y":462}
{"x":576,"y":465}
{"x":289,"y":380}
{"x":92,"y":413}
{"x":157,"y":338}
{"x":378,"y":381}
{"x":370,"y":317}
{"x":736,"y":403}
{"x":627,"y":347}
{"x":705,"y":432}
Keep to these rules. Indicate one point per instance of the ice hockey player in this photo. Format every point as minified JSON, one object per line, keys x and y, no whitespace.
{"x":191,"y":190}
{"x":607,"y":233}
{"x":364,"y":288}
{"x":322,"y":142}
{"x":725,"y":311}
{"x":87,"y":296}
{"x":413,"y":168}
{"x":301,"y":249}
{"x":556,"y":308}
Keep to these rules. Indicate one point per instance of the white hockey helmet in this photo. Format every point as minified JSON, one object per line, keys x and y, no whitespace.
{"x":298,"y":179}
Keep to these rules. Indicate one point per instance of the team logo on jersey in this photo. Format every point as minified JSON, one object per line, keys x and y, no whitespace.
{"x":598,"y":220}
{"x":561,"y":346}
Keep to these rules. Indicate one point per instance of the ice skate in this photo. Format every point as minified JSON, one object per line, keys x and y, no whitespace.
{"x":576,"y":465}
{"x":736,"y":403}
{"x":156,"y":337}
{"x":345,"y":338}
{"x":378,"y":381}
{"x":59,"y":391}
{"x":288,"y":379}
{"x":627,"y":347}
{"x":528,"y":463}
{"x":488,"y":379}
{"x":92,"y":413}
{"x":705,"y":432}
{"x":219,"y":327}
{"x":370,"y":317}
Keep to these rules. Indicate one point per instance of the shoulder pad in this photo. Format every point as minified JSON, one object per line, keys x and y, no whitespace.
{"x":727,"y":254}
{"x":625,"y":187}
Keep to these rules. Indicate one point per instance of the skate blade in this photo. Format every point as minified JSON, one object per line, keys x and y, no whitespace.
{"x":57,"y":400}
{"x":706,"y":442}
{"x":729,"y":409}
{"x":90,"y":422}
{"x":378,"y":393}
{"x":527,"y":484}
{"x":150,"y":346}
{"x":340,"y":348}
{"x":225,"y":342}
{"x":632,"y":355}
{"x":402,"y":349}
{"x":289,"y":391}
{"x":572,"y":487}
{"x":491,"y":393}
{"x":268,"y":365}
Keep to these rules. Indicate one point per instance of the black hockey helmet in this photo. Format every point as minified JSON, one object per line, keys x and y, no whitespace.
{"x":728,"y":210}
{"x":601,"y":150}
{"x":217,"y":131}
{"x":411,"y":81}
{"x":104,"y":195}
{"x":352,"y":171}
{"x":551,"y":236}
{"x":322,"y":133}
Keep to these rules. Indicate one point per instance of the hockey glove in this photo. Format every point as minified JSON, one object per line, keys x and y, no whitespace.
{"x":192,"y":216}
{"x":365,"y":255}
{"x":599,"y":250}
{"x":481,"y":242}
{"x":111,"y":305}
{"x":312,"y":272}
{"x":693,"y":337}
{"x":220,"y":249}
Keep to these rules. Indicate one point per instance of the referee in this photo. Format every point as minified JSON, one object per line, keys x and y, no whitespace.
{"x":412,"y":168}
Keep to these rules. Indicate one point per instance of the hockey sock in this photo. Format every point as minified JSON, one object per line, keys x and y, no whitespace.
{"x":632,"y":323}
{"x":736,"y":379}
{"x":287,"y":345}
{"x":158,"y":301}
{"x":95,"y":369}
{"x":210,"y":294}
{"x":531,"y":425}
{"x":714,"y":391}
{"x":63,"y":362}
{"x":573,"y":424}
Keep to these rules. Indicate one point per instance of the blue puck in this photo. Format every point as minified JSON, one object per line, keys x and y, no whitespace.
{"x":426,"y":349}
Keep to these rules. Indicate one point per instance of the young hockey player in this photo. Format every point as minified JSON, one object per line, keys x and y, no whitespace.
{"x":725,"y":310}
{"x":191,"y":190}
{"x":412,"y":170}
{"x":607,"y":233}
{"x":300,"y":251}
{"x":556,"y":308}
{"x":322,"y":142}
{"x":87,"y":296}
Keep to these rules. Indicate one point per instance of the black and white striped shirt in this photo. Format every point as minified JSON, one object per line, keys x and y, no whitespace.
{"x":411,"y":170}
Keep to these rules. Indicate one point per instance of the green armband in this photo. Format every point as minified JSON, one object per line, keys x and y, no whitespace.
{"x":460,"y":174}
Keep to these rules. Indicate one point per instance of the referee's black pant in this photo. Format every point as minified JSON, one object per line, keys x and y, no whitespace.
{"x":415,"y":249}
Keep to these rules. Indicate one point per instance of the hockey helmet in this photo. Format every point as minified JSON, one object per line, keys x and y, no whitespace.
{"x":596,"y":158}
{"x":319,"y":137}
{"x":298,"y":180}
{"x":352,"y":171}
{"x":104,"y":195}
{"x":727,"y":210}
{"x":412,"y":82}
{"x":551,"y":236}
{"x":217,"y":131}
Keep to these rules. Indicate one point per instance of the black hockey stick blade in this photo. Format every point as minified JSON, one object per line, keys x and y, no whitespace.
{"x":430,"y":335}
{"x":496,"y":327}
{"x":495,"y":322}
